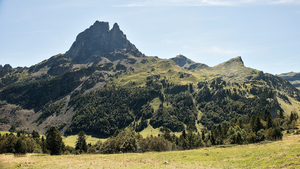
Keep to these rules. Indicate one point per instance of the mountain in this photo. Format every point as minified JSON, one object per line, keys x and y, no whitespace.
{"x":104,"y":83}
{"x":186,"y":63}
{"x":292,"y":77}
{"x":98,"y":39}
{"x":5,"y":67}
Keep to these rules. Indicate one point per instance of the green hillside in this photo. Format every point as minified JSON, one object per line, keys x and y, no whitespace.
{"x":119,"y":87}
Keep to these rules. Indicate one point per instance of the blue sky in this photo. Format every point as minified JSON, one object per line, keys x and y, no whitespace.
{"x":266,"y":33}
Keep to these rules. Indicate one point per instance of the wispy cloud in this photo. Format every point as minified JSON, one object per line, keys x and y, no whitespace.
{"x":224,"y":51}
{"x":270,"y":2}
{"x":208,"y":3}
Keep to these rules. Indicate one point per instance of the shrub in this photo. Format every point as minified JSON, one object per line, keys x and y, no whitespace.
{"x":155,"y":144}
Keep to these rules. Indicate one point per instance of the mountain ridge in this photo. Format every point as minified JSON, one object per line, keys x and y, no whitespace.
{"x":292,"y":77}
{"x":104,"y":83}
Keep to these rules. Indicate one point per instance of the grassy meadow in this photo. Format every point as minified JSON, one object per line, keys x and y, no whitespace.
{"x":279,"y":154}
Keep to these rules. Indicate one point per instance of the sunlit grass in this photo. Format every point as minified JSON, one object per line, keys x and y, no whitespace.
{"x":150,"y":131}
{"x":279,"y":154}
{"x":71,"y":140}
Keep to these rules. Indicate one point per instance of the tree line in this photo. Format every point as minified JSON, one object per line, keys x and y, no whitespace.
{"x":244,"y":130}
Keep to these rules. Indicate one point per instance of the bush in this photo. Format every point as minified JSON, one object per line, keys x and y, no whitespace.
{"x":276,"y":134}
{"x":155,"y":144}
{"x":37,"y":150}
{"x":67,"y":152}
{"x":92,"y":150}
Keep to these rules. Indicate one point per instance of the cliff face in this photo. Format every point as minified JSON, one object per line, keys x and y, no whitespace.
{"x":97,"y":40}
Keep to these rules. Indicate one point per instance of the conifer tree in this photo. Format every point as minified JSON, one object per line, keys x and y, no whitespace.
{"x":269,"y":122}
{"x":35,"y":135}
{"x":54,"y":141}
{"x":280,"y":114}
{"x":258,"y":125}
{"x":20,"y":147}
{"x":81,"y":142}
{"x":252,"y":123}
{"x":44,"y":146}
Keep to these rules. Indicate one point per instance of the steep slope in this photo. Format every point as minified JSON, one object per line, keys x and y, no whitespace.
{"x":98,"y":39}
{"x":292,"y":77}
{"x":80,"y":70}
{"x":104,"y":83}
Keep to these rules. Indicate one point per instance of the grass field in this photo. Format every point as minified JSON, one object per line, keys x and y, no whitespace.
{"x":279,"y":154}
{"x":71,"y":140}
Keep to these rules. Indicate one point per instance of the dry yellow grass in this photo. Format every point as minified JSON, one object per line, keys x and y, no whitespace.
{"x":279,"y":154}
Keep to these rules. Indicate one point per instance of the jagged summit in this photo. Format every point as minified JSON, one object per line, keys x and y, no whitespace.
{"x":99,"y":39}
{"x":6,"y":67}
{"x":181,"y":60}
{"x":237,"y":61}
{"x":187,"y":63}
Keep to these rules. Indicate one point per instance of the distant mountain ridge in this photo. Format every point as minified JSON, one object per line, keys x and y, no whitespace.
{"x":104,"y":83}
{"x":293,"y":77}
{"x":186,"y":63}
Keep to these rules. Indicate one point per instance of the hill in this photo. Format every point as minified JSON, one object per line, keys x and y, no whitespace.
{"x":104,"y":83}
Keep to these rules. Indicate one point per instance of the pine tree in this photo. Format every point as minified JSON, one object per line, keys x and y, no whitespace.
{"x":81,"y":142}
{"x":258,"y":125}
{"x":44,"y":146}
{"x":167,"y":134}
{"x":20,"y":147}
{"x":54,"y":141}
{"x":269,"y":122}
{"x":35,"y":134}
{"x":267,"y":114}
{"x":252,"y":123}
{"x":280,"y":114}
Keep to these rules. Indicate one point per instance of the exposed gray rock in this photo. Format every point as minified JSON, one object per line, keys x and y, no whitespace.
{"x":98,"y":40}
{"x":6,"y":67}
{"x":187,"y":63}
{"x":181,"y":60}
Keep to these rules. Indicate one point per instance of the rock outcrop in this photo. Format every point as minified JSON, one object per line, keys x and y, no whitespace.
{"x":98,"y":40}
{"x":187,"y":63}
{"x":6,"y":67}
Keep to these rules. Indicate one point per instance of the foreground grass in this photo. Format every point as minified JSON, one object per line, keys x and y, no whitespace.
{"x":279,"y":154}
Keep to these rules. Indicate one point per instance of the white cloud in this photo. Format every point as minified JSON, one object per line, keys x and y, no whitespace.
{"x":208,"y":3}
{"x":223,"y":51}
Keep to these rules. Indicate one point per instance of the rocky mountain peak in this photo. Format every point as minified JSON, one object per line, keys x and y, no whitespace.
{"x":116,"y":27}
{"x":98,"y":39}
{"x":187,"y":63}
{"x":181,"y":60}
{"x":6,"y":67}
{"x":99,"y":27}
{"x":231,"y":63}
{"x":237,"y":60}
